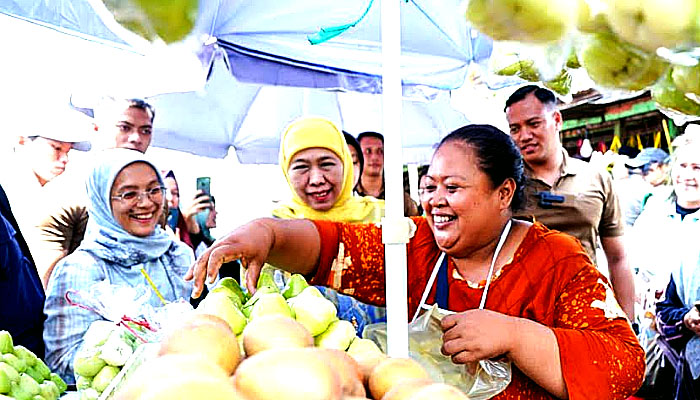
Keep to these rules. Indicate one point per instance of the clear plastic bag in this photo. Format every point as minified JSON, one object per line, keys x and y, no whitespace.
{"x":110,"y":343}
{"x":480,"y":381}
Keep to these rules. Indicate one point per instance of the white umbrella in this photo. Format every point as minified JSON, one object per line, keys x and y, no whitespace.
{"x":229,"y":115}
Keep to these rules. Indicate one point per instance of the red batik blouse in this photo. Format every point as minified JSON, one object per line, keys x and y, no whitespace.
{"x":550,"y":280}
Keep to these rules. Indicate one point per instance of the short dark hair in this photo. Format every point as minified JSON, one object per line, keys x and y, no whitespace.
{"x":142,"y":105}
{"x":352,"y":142}
{"x":497,"y":156}
{"x":545,"y":96}
{"x":370,"y":134}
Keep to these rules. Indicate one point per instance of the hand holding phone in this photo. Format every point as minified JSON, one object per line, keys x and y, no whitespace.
{"x":204,"y":184}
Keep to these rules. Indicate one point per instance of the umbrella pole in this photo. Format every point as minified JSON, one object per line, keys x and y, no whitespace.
{"x":394,"y":226}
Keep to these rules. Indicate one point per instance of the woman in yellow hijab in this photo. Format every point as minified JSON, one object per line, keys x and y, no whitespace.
{"x":317,"y":165}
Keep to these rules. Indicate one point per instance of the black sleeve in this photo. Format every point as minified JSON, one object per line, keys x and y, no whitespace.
{"x":670,"y":312}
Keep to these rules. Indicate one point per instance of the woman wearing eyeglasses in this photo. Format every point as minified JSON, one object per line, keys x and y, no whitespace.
{"x":122,"y":237}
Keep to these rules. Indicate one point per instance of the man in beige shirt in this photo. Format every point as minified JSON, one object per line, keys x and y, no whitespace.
{"x":568,"y":194}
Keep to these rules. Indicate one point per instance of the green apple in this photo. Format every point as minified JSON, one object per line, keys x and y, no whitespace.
{"x":11,"y":373}
{"x":687,"y":79}
{"x":667,"y":95}
{"x":524,"y":69}
{"x":60,"y":383}
{"x":31,"y":371}
{"x":650,"y":24}
{"x":338,"y":336}
{"x":295,"y":285}
{"x":25,"y":354}
{"x":591,"y":22}
{"x":5,"y":382}
{"x":6,"y":345}
{"x":171,"y":19}
{"x":42,"y":369}
{"x":49,"y":390}
{"x":17,"y":392}
{"x":561,"y":83}
{"x":15,"y":362}
{"x":104,"y":377}
{"x":221,"y":305}
{"x":88,"y":363}
{"x":28,"y":384}
{"x":363,"y":346}
{"x":233,"y":288}
{"x":270,"y":303}
{"x":248,"y":305}
{"x":82,"y":382}
{"x":314,"y":313}
{"x":535,"y":21}
{"x":116,"y":351}
{"x":614,"y":64}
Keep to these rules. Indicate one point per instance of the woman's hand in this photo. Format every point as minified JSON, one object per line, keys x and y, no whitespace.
{"x":691,"y":320}
{"x":250,"y":244}
{"x":201,"y":202}
{"x":475,"y":335}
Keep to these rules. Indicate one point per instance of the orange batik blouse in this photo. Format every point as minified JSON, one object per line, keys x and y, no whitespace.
{"x":550,"y":280}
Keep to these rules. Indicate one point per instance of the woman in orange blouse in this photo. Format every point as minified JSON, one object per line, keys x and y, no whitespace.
{"x":548,"y":309}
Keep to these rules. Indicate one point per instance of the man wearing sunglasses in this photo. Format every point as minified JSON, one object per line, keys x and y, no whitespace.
{"x":118,"y":123}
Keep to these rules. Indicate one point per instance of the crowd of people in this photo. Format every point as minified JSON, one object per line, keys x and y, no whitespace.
{"x":511,"y":221}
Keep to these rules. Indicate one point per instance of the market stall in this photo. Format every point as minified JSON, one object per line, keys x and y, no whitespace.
{"x":140,"y":355}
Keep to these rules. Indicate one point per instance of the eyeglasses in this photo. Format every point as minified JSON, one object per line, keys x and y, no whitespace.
{"x":132,"y":196}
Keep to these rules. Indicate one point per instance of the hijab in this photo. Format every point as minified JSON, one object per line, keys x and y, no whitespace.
{"x":315,"y":132}
{"x":104,"y":236}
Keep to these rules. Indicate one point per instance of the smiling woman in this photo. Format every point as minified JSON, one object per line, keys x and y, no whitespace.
{"x":317,"y":165}
{"x":122,"y":238}
{"x":540,"y":283}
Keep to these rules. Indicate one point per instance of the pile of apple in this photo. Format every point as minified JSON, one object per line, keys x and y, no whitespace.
{"x":290,"y":346}
{"x":622,"y":44}
{"x":24,"y":376}
{"x":105,"y":350}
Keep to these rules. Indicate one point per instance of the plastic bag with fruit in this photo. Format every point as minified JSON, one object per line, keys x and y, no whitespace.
{"x":107,"y":346}
{"x":534,"y":41}
{"x":479,"y":380}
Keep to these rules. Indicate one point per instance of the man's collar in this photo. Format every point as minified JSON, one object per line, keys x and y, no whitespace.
{"x":565,"y":169}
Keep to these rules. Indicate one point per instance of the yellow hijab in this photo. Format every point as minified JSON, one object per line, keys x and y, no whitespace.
{"x":310,"y":132}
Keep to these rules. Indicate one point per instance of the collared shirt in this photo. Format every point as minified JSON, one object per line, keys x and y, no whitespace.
{"x":590,"y":207}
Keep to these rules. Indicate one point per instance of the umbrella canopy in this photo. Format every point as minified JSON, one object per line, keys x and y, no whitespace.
{"x":250,"y":118}
{"x":337,"y":44}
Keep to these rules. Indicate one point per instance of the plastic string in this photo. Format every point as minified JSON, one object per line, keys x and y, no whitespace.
{"x":153,"y":286}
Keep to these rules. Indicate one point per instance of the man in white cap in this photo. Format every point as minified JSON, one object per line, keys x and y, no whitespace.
{"x":47,"y":151}
{"x":41,"y":154}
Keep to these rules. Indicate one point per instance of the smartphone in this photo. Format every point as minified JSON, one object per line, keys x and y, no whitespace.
{"x":203,"y":184}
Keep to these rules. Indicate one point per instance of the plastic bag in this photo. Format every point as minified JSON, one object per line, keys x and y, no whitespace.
{"x":109,"y":343}
{"x":479,"y":381}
